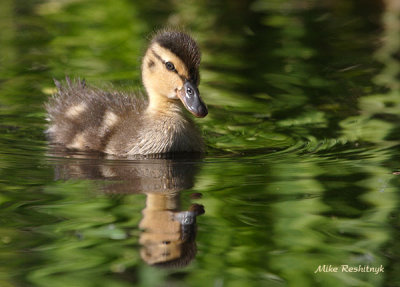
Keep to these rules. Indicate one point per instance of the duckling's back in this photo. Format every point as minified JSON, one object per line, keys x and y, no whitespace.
{"x":85,"y":118}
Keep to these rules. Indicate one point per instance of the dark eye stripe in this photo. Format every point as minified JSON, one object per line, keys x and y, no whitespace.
{"x":164,"y":62}
{"x":158,"y":56}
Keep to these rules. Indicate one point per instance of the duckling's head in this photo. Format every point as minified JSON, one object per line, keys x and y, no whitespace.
{"x":170,"y":72}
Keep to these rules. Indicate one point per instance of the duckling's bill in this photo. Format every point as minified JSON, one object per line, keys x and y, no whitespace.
{"x":190,"y":97}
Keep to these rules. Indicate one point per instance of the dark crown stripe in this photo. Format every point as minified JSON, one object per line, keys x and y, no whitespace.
{"x":184,"y":47}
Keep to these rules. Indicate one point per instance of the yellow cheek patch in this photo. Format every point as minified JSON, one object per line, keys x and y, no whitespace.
{"x":170,"y":83}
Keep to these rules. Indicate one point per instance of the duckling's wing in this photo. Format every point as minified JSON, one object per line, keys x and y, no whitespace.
{"x":84,"y":118}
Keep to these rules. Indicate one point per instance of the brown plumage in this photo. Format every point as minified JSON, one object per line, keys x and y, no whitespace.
{"x":87,"y":118}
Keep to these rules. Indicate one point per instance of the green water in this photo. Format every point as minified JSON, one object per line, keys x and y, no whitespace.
{"x":303,"y":138}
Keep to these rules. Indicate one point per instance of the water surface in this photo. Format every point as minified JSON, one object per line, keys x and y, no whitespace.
{"x":302,"y":168}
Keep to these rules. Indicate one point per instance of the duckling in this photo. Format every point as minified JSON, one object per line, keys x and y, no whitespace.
{"x":87,"y":118}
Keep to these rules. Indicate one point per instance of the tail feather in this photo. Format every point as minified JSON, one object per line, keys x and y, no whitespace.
{"x":57,"y":83}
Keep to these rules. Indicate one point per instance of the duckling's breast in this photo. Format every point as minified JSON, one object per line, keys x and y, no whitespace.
{"x":157,"y":133}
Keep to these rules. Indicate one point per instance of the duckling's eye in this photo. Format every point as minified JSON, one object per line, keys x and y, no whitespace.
{"x":170,"y":66}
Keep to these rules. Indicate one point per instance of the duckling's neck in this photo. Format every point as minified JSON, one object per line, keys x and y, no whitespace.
{"x":162,"y":105}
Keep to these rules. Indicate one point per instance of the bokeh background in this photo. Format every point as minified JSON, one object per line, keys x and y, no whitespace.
{"x":303,"y":137}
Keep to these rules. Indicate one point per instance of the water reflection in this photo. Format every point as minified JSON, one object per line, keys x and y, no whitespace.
{"x":168,"y":232}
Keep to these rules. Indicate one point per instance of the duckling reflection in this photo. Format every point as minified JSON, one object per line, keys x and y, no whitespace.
{"x":168,"y":233}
